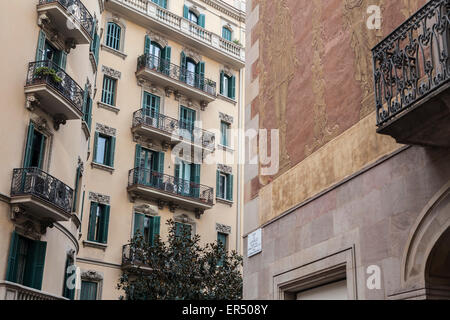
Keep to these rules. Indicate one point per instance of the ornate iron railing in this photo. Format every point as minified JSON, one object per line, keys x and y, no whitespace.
{"x":47,"y":72}
{"x":34,"y":181}
{"x":174,"y":127}
{"x":78,"y":11}
{"x":412,"y":61}
{"x":175,"y":72}
{"x":169,"y":184}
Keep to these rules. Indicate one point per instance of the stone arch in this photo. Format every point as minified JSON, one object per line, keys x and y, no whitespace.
{"x":430,"y":227}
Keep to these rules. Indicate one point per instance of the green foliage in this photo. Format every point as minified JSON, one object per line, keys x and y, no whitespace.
{"x":181,"y":269}
{"x":48,"y":72}
{"x":236,"y":41}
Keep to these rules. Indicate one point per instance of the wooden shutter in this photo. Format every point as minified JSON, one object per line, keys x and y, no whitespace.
{"x":88,"y":290}
{"x":41,"y":151}
{"x":112,"y":148}
{"x":186,"y":12}
{"x":29,"y":146}
{"x":11,"y":272}
{"x":137,"y":156}
{"x":85,"y":98}
{"x":40,"y":46}
{"x":201,"y":74}
{"x":156,"y":224}
{"x":183,"y":66}
{"x":92,"y":220}
{"x":75,"y":196}
{"x":217,"y":183}
{"x":89,"y":114}
{"x":95,"y":146}
{"x":230,"y":187}
{"x":148,"y":43}
{"x":233,"y":87}
{"x":165,"y":59}
{"x":201,"y":20}
{"x":222,"y":74}
{"x":105,"y":224}
{"x":161,"y":162}
{"x":138,"y":224}
{"x":63,"y":60}
{"x":39,"y":249}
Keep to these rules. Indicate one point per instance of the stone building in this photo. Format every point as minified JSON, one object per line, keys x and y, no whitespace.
{"x":112,"y":109}
{"x":360,"y":205}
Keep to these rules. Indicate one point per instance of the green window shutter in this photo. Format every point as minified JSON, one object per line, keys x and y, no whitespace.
{"x":222,"y":74}
{"x":165,"y":57}
{"x":85,"y":98}
{"x":105,"y":224}
{"x":11,"y":272}
{"x":94,"y":28}
{"x":222,"y":238}
{"x":217,"y":183}
{"x":201,"y":73}
{"x":29,"y":146}
{"x":230,"y":187}
{"x":88,"y":290}
{"x":75,"y":196}
{"x":147,"y":44}
{"x":161,"y":162}
{"x":95,"y":146}
{"x":156,"y":224}
{"x":92,"y":220}
{"x":40,"y":46}
{"x":41,"y":152}
{"x":178,"y":229}
{"x":233,"y":88}
{"x":97,"y":47}
{"x":177,"y":170}
{"x":183,"y":66}
{"x":89,"y":114}
{"x":201,"y":20}
{"x":167,"y":53}
{"x":137,"y":156}
{"x":112,"y":147}
{"x":39,"y":249}
{"x":185,"y":12}
{"x":63,"y":60}
{"x":138,"y":224}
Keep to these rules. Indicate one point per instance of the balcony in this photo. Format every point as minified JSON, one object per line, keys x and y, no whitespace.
{"x":411,"y":74}
{"x":54,"y":91}
{"x":41,"y":195}
{"x":14,"y":291}
{"x":165,"y":189}
{"x":170,"y":131}
{"x":174,"y":78}
{"x":69,"y":20}
{"x":152,"y":16}
{"x":130,"y":260}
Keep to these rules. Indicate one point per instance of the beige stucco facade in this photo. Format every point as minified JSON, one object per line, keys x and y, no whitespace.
{"x":71,"y":145}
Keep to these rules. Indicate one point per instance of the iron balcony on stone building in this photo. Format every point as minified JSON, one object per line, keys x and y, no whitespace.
{"x":180,"y":29}
{"x":411,"y":74}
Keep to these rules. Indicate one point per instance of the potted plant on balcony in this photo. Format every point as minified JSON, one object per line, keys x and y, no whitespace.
{"x":236,"y":41}
{"x":46,"y":72}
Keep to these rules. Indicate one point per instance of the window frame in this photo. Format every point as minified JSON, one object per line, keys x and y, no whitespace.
{"x":227,"y":31}
{"x":115,"y":38}
{"x":109,"y":95}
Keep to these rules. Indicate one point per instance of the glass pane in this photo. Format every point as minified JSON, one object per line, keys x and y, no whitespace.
{"x":226,"y":85}
{"x":101,"y":150}
{"x":222,"y":186}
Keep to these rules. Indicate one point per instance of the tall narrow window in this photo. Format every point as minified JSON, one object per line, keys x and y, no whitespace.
{"x":150,"y":109}
{"x":35,"y":148}
{"x":226,"y":33}
{"x":113,"y":34}
{"x":98,"y":223}
{"x":187,"y":122}
{"x":222,"y":238}
{"x":147,"y":226}
{"x":183,"y":230}
{"x":88,"y":290}
{"x":109,"y":91}
{"x":224,"y":186}
{"x":227,"y":85}
{"x":224,"y":133}
{"x":161,"y":3}
{"x":104,"y":147}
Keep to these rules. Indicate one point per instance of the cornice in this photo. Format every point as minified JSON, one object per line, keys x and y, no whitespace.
{"x":226,"y":9}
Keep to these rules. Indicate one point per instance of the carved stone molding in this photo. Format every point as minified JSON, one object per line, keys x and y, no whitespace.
{"x":92,"y":275}
{"x":105,"y":129}
{"x":203,"y":105}
{"x":146,"y":209}
{"x":31,"y":102}
{"x":81,"y":166}
{"x":226,"y":118}
{"x":227,"y":70}
{"x":191,"y":53}
{"x":58,"y":120}
{"x":225,"y":169}
{"x":110,"y":72}
{"x":160,"y":203}
{"x":27,"y":225}
{"x":184,"y":218}
{"x":222,"y":228}
{"x":199,"y":213}
{"x":158,"y":38}
{"x":144,"y":141}
{"x":169,"y":91}
{"x":99,"y":198}
{"x":172,"y":207}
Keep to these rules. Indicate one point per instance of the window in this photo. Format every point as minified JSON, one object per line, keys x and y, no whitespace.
{"x":26,"y":261}
{"x":187,"y":122}
{"x":69,"y":271}
{"x":77,"y":189}
{"x":147,"y":226}
{"x":226,"y":33}
{"x":46,"y":51}
{"x":88,"y":290}
{"x":35,"y":148}
{"x":161,"y":3}
{"x":223,"y":239}
{"x":191,"y":67}
{"x":98,"y":223}
{"x":192,"y":73}
{"x":87,"y":107}
{"x":227,"y":85}
{"x":224,"y":133}
{"x":104,"y":149}
{"x":192,"y":17}
{"x":113,"y":35}
{"x":198,"y":19}
{"x":183,"y":230}
{"x":150,"y":108}
{"x":154,"y":51}
{"x":109,"y":91}
{"x":224,"y":186}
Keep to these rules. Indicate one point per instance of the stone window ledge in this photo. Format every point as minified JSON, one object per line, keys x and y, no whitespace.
{"x":102,"y":167}
{"x":96,"y":245}
{"x":114,"y":51}
{"x":227,"y":202}
{"x":225,"y":98}
{"x":108,"y":107}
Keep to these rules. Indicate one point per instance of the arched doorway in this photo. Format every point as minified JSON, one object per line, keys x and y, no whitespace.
{"x":437,"y":271}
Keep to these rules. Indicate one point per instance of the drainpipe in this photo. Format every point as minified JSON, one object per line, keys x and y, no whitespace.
{"x":240,"y":163}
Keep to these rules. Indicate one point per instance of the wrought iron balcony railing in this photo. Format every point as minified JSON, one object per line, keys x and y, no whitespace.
{"x":175,"y":72}
{"x":47,"y":72}
{"x":174,"y":127}
{"x":78,"y":11}
{"x":412,"y":61}
{"x":34,"y":181}
{"x":171,"y":185}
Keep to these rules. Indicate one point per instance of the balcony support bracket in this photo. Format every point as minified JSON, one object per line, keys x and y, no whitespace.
{"x":58,"y":120}
{"x":199,"y":213}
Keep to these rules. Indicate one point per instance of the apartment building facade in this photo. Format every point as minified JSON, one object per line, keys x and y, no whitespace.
{"x":359,"y":208}
{"x":123,"y":114}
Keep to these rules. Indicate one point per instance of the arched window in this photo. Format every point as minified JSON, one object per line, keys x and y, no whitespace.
{"x":192,"y":17}
{"x":113,"y":34}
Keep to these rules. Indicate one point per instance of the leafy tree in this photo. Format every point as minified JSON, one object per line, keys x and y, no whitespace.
{"x":180,"y":269}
